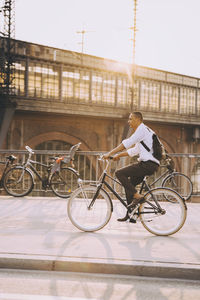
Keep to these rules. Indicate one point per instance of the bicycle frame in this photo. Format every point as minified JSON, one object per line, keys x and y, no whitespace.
{"x":46,"y":180}
{"x":161,"y":176}
{"x":28,"y":165}
{"x":123,"y":201}
{"x":20,"y":180}
{"x":48,"y":167}
{"x":66,"y":159}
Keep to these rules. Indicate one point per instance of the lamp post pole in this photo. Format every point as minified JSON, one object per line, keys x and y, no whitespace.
{"x":134,"y":28}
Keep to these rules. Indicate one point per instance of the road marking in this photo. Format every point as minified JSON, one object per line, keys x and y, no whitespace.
{"x":4,"y":296}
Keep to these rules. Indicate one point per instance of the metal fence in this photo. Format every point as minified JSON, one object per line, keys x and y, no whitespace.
{"x":90,"y":168}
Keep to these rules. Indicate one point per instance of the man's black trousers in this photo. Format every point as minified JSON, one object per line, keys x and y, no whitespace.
{"x":132,"y":175}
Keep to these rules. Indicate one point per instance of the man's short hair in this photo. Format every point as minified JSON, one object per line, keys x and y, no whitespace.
{"x":138,"y":115}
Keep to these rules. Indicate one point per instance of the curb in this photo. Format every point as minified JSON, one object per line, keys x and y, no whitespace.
{"x":101,"y":266}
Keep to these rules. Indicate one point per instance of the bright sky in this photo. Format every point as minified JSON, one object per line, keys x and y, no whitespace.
{"x":167,"y":36}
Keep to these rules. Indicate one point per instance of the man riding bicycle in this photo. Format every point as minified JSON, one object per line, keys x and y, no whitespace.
{"x":139,"y":143}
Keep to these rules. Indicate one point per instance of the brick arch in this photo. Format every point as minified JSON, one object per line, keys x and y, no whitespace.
{"x":59,"y":136}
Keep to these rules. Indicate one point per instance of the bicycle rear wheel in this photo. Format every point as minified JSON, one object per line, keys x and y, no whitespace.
{"x":180,"y":183}
{"x":170,"y":219}
{"x":89,"y":218}
{"x":64,"y":182}
{"x":18,"y":182}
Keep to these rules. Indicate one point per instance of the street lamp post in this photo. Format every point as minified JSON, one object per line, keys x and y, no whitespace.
{"x":134,"y":28}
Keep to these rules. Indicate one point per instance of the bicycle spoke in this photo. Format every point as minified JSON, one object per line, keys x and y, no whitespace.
{"x":180,"y":183}
{"x":64,"y":182}
{"x":169,"y":219}
{"x":86,"y":217}
{"x":18,"y":182}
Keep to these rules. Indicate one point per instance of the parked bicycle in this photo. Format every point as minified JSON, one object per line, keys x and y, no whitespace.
{"x":19,"y":180}
{"x":163,"y":211}
{"x":9,"y":161}
{"x":177,"y":181}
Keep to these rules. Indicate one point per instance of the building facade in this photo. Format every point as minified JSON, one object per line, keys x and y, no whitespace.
{"x":64,"y":97}
{"x":71,"y":96}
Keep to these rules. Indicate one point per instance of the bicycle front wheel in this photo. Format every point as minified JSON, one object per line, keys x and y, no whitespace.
{"x":170,"y":218}
{"x":180,"y":183}
{"x":18,"y":182}
{"x":85,"y":217}
{"x":64,"y":182}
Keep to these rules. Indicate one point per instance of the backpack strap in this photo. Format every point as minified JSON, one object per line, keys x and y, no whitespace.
{"x":143,"y":143}
{"x":145,"y":146}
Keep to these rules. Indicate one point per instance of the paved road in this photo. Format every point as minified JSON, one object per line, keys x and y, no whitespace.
{"x":45,"y":285}
{"x":37,"y":234}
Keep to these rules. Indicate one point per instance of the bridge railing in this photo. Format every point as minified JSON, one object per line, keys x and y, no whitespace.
{"x":90,"y":168}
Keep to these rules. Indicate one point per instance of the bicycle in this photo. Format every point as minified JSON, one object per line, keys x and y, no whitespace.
{"x":9,"y":161}
{"x":19,"y":181}
{"x":176,"y":181}
{"x":90,"y":207}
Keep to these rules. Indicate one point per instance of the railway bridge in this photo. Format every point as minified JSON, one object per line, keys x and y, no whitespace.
{"x":64,"y":97}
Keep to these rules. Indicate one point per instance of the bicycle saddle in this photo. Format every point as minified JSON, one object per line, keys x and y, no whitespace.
{"x":11,"y":157}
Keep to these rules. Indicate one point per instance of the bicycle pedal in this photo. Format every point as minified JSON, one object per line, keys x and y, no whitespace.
{"x":132,"y":210}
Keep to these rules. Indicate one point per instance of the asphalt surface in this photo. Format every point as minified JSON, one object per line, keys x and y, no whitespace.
{"x":36,"y":234}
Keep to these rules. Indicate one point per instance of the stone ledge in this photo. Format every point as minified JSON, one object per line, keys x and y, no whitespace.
{"x":89,"y":109}
{"x":100,"y":266}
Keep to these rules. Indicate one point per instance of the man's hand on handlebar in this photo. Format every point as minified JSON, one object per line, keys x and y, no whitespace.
{"x":116,"y":157}
{"x":108,"y":156}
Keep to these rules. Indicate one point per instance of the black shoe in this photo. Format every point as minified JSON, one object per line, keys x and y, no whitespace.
{"x":124,"y":219}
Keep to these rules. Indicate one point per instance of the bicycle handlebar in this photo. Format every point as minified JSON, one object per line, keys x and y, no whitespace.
{"x":29,"y":150}
{"x":102,"y":159}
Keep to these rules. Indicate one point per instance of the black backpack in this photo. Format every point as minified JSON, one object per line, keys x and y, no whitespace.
{"x":158,"y":148}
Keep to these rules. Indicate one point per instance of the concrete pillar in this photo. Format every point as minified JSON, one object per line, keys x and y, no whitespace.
{"x":7,"y":109}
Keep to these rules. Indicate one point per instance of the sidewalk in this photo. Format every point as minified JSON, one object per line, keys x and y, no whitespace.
{"x":35,"y":233}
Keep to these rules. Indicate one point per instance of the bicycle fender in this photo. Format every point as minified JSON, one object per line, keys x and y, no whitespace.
{"x":183,"y":199}
{"x":166,"y":188}
{"x":28,"y":170}
{"x":21,"y":167}
{"x":73,"y":170}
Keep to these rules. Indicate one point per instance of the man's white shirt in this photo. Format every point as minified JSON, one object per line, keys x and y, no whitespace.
{"x":142,"y":133}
